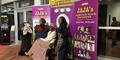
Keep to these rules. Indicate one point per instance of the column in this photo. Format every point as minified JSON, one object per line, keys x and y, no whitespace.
{"x":38,"y":2}
{"x":24,"y":16}
{"x":16,"y":25}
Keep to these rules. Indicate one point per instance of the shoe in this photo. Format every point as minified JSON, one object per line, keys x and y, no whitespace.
{"x":28,"y":54}
{"x":21,"y":54}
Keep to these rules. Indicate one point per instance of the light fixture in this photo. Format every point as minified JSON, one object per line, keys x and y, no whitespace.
{"x":5,"y":10}
{"x":9,"y":9}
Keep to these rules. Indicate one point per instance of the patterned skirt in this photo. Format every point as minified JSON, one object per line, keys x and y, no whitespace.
{"x":39,"y":49}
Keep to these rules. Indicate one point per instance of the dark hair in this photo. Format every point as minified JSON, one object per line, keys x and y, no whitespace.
{"x":114,"y":18}
{"x":43,"y":20}
{"x":22,"y":24}
{"x":63,"y":22}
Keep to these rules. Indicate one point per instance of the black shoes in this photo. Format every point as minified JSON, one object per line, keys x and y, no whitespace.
{"x":21,"y":54}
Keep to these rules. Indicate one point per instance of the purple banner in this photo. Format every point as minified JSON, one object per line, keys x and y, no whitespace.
{"x":67,"y":12}
{"x":85,"y":43}
{"x":40,"y":12}
{"x":82,"y":20}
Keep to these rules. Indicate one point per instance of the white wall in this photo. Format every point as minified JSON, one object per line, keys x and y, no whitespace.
{"x":114,"y":10}
{"x":38,"y":2}
{"x":6,"y":1}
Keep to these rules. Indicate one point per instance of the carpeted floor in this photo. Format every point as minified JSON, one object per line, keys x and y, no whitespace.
{"x":2,"y":47}
{"x":11,"y":53}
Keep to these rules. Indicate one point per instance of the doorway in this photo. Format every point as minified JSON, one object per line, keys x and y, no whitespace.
{"x":23,"y":15}
{"x":108,"y":35}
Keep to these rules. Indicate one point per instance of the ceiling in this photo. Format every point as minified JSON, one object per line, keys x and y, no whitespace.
{"x":108,"y":1}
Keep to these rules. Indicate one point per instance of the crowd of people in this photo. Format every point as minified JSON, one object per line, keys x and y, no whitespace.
{"x":49,"y":42}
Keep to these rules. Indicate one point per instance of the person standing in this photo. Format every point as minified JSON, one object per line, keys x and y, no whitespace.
{"x":39,"y":48}
{"x":26,"y":32}
{"x":62,"y":37}
{"x":115,"y":23}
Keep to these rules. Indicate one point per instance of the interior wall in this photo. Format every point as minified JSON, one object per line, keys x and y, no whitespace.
{"x":114,"y":11}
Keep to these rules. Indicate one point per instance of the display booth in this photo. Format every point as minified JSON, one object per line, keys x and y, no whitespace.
{"x":5,"y":25}
{"x":81,"y":17}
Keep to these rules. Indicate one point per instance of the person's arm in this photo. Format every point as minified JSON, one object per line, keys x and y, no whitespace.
{"x":53,"y":37}
{"x":33,"y":36}
{"x":50,"y":37}
{"x":45,"y":38}
{"x":24,"y":30}
{"x":30,"y":30}
{"x":112,"y":24}
{"x":42,"y":39}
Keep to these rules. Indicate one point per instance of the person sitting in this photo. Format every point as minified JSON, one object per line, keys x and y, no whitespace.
{"x":41,"y":30}
{"x":40,"y":46}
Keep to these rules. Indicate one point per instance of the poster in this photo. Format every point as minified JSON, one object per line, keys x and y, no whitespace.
{"x":39,"y":12}
{"x":67,"y":12}
{"x":85,"y":43}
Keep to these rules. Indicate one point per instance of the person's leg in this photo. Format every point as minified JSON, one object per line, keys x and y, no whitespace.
{"x":114,"y":42}
{"x":61,"y":55}
{"x":33,"y":48}
{"x":22,"y":48}
{"x":51,"y":54}
{"x":38,"y":50}
{"x":114,"y":39}
{"x":28,"y":44}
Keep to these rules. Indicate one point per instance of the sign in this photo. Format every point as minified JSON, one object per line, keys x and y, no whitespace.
{"x":85,"y":43}
{"x":68,"y":13}
{"x":39,"y":12}
{"x":61,"y":3}
{"x":82,"y":21}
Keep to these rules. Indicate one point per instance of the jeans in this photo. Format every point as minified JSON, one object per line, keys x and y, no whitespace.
{"x":61,"y":55}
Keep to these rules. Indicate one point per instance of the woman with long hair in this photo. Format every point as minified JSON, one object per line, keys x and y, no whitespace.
{"x":62,"y":37}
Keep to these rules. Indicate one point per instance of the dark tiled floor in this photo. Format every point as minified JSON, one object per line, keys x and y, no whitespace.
{"x":112,"y":51}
